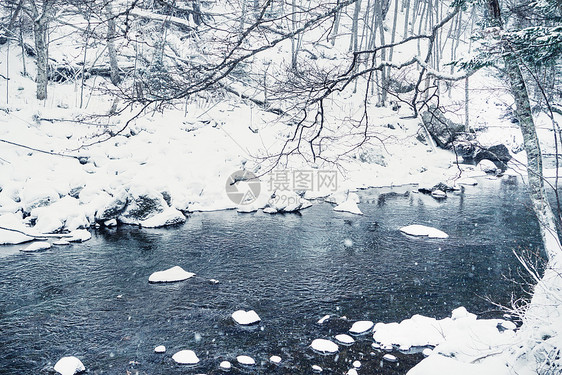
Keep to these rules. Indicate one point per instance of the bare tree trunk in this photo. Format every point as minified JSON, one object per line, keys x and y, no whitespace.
{"x":393,"y":34}
{"x":541,"y":207}
{"x":42,"y":58}
{"x":353,"y":41}
{"x":335,"y":28}
{"x":384,"y":78}
{"x":406,"y":18}
{"x":111,"y":35}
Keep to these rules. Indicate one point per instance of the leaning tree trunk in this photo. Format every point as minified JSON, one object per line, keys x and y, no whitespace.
{"x":541,"y":207}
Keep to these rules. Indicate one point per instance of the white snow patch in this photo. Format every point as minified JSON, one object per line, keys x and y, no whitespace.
{"x":345,"y":339}
{"x":427,"y":352}
{"x":423,"y":231}
{"x":351,"y":371}
{"x":160,"y":349}
{"x":37,"y":246}
{"x":245,"y":360}
{"x":225,"y":365}
{"x":170,"y":216}
{"x":356,"y":364}
{"x":323,"y":319}
{"x":467,"y":181}
{"x":360,"y":327}
{"x":61,"y":242}
{"x":69,"y":366}
{"x":348,"y":206}
{"x":170,"y":275}
{"x":11,"y":237}
{"x":324,"y":346}
{"x":347,"y":242}
{"x":243,"y":317}
{"x":275,"y":359}
{"x":316,"y":368}
{"x":79,"y":235}
{"x":186,"y":357}
{"x":389,"y":358}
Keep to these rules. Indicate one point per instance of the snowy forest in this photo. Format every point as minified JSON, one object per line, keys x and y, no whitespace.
{"x":280,"y":186}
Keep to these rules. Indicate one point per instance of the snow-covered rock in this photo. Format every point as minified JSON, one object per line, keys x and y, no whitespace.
{"x":316,"y":368}
{"x":352,"y":371}
{"x":423,"y":231}
{"x":361,"y":327}
{"x":186,"y":357}
{"x":8,"y":205}
{"x":245,"y":360}
{"x":356,"y":364}
{"x":66,"y":213}
{"x":470,"y":181}
{"x":323,"y":319}
{"x":243,"y":317}
{"x":114,"y":205}
{"x":13,"y":237}
{"x":79,"y":235}
{"x":275,"y":359}
{"x":170,"y":216}
{"x":69,"y":366}
{"x":143,"y":203}
{"x":324,"y":346}
{"x":286,"y":201}
{"x":345,"y":339}
{"x":350,"y":205}
{"x":61,"y":242}
{"x":37,"y":193}
{"x":506,"y":324}
{"x":389,"y":358}
{"x":170,"y":275}
{"x":160,"y":349}
{"x":427,"y":352}
{"x":225,"y":365}
{"x":487,"y":166}
{"x":111,"y":223}
{"x":462,"y":313}
{"x":36,"y":246}
{"x":438,"y":194}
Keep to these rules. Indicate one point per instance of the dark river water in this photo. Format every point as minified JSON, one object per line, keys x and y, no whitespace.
{"x":93,"y":300}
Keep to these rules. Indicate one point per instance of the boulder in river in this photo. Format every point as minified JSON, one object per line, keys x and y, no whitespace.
{"x":69,"y":366}
{"x":186,"y":357}
{"x":144,"y":203}
{"x":324,"y":346}
{"x":170,"y":275}
{"x":245,"y":318}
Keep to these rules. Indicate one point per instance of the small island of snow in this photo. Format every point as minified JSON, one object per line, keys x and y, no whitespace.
{"x":170,"y":275}
{"x":69,"y":366}
{"x":423,"y":231}
{"x":246,"y":317}
{"x":324,"y":346}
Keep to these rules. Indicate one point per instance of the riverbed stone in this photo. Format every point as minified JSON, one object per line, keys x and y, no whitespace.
{"x":243,"y":317}
{"x":69,"y":366}
{"x":361,"y":327}
{"x":170,"y":275}
{"x":324,"y":346}
{"x":186,"y":357}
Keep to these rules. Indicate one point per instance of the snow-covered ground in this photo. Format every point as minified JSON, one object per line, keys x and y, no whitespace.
{"x":63,"y":170}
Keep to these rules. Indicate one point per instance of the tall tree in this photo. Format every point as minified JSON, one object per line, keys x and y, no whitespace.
{"x":531,"y":144}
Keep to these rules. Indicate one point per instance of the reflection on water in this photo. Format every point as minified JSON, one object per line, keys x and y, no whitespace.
{"x":93,"y":300}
